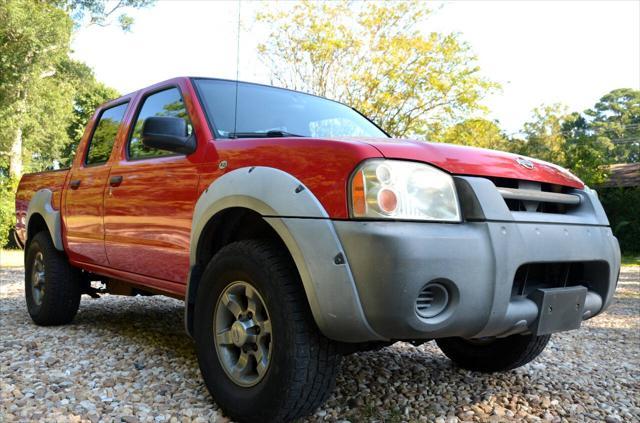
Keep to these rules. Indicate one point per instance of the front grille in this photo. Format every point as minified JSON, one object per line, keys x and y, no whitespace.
{"x":535,"y":197}
{"x":531,"y":276}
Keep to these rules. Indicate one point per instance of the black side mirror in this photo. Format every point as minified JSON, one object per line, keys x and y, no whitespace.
{"x":167,"y":133}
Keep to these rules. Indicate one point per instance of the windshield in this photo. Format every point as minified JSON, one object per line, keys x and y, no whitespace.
{"x":275,"y":112}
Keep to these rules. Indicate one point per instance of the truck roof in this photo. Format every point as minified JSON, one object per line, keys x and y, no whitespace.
{"x":182,"y":78}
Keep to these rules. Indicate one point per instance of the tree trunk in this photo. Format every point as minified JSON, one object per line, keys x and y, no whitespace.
{"x":15,"y":163}
{"x":15,"y":159}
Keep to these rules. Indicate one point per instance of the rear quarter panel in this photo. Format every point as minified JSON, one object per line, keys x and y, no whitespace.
{"x":29,"y":185}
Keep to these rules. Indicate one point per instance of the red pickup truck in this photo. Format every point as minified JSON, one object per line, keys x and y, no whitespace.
{"x":296,"y":231}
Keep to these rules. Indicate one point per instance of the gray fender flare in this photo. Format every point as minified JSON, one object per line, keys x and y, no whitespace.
{"x":302,"y":223}
{"x":40,"y":204}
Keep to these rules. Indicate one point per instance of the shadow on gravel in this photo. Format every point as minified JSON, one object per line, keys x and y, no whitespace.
{"x":144,"y":322}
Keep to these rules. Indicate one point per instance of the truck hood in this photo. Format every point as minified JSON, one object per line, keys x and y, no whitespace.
{"x":461,"y":160}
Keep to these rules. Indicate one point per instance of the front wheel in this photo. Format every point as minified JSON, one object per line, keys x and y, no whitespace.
{"x":493,"y":354}
{"x":260,"y":353}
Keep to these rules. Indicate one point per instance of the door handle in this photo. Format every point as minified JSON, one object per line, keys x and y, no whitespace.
{"x":115,"y":181}
{"x":75,"y":184}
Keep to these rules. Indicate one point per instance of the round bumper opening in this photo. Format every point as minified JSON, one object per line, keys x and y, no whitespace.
{"x":432,"y":300}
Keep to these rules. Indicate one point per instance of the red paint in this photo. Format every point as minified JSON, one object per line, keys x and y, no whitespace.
{"x":323,"y":166}
{"x":147,"y":218}
{"x":140,"y":230}
{"x":461,"y":160}
{"x":83,"y":211}
{"x":82,"y":215}
{"x":29,"y":185}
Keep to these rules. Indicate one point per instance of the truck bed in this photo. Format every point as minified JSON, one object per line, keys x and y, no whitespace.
{"x":30,"y":184}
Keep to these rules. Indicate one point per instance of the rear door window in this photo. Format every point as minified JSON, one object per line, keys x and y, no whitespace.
{"x":104,"y":135}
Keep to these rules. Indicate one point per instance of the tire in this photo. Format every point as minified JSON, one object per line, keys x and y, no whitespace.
{"x":494,"y":355}
{"x":56,"y":297}
{"x":301,"y":370}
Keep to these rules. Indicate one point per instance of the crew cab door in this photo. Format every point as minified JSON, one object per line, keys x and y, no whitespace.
{"x":150,"y":199}
{"x":83,"y":204}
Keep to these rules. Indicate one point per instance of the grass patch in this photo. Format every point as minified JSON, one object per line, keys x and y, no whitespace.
{"x":11,"y":258}
{"x":631,"y":260}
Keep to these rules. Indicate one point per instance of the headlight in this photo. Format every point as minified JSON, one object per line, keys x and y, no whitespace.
{"x":394,"y":189}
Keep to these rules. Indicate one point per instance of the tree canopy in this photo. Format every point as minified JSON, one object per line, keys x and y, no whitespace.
{"x":46,"y":98}
{"x":373,"y":57}
{"x":616,"y":118}
{"x":476,"y":132}
{"x":586,"y":142}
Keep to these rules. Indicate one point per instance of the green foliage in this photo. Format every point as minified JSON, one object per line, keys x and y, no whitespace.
{"x":622,"y":205}
{"x":585,"y":153}
{"x":631,"y":260}
{"x":88,"y":95}
{"x":46,"y":98}
{"x":567,"y":140}
{"x":7,"y":207}
{"x":616,"y":117}
{"x":101,"y":12}
{"x":34,"y":37}
{"x":372,"y":56}
{"x":586,"y":143}
{"x":544,"y":136}
{"x":475,"y":132}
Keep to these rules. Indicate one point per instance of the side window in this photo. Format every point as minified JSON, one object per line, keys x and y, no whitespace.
{"x":164,"y":103}
{"x":104,"y":135}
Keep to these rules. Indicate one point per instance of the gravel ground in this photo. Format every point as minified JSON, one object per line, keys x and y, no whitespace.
{"x":128,"y":359}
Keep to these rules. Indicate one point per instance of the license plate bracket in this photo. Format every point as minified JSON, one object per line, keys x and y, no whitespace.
{"x":559,"y":309}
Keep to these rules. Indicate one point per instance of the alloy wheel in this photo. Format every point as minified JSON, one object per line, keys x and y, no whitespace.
{"x":37,"y":278}
{"x":243,"y":334}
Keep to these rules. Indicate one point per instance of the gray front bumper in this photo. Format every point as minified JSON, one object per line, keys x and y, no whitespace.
{"x":392,"y":261}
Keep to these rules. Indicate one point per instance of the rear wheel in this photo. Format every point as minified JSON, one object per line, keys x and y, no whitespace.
{"x":493,"y":354}
{"x":260,"y":353}
{"x":52,"y":285}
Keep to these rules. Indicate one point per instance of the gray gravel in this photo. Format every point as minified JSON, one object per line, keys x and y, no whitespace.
{"x":128,"y":359}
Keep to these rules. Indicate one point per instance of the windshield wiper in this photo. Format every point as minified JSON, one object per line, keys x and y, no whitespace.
{"x":267,"y":134}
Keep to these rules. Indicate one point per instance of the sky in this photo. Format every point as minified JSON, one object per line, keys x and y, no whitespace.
{"x":541,"y":52}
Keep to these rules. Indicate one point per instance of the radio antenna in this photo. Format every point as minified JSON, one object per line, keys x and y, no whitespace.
{"x":235,"y":113}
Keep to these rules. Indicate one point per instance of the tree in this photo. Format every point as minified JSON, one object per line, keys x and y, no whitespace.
{"x":477,"y":133}
{"x":102,"y":12}
{"x":34,"y":94}
{"x":567,"y":140}
{"x":89,"y":94}
{"x":616,"y":117}
{"x":34,"y":37}
{"x":544,"y":138}
{"x":373,"y":57}
{"x":36,"y":87}
{"x":585,"y":152}
{"x":45,"y":97}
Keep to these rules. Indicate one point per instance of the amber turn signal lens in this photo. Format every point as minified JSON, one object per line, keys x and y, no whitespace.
{"x":357,"y":194}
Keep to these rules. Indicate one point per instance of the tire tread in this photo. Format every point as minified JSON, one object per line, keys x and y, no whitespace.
{"x":63,"y":289}
{"x":503,"y":354}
